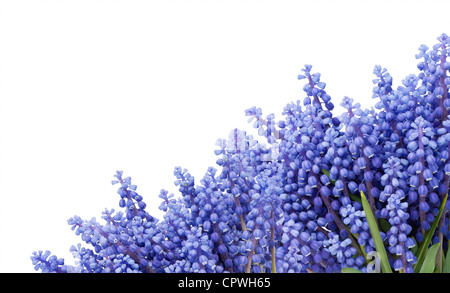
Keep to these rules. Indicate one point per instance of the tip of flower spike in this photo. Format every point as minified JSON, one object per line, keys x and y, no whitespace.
{"x":307,"y":68}
{"x":118,"y":174}
{"x":443,"y":38}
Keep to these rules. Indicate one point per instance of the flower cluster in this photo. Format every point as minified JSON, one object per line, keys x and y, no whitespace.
{"x":293,"y":204}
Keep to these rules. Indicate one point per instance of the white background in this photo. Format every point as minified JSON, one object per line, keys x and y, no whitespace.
{"x":91,"y":87}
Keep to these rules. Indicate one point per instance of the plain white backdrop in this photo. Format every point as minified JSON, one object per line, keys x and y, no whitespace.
{"x":88,"y":87}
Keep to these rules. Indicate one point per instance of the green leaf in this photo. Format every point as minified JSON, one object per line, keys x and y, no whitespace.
{"x":350,"y":270}
{"x":446,"y":266}
{"x":379,"y":245}
{"x":354,"y":197}
{"x":427,"y":239}
{"x":429,"y":262}
{"x":415,"y":248}
{"x":384,"y":225}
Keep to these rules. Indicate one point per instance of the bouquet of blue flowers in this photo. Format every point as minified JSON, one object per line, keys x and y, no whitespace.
{"x":365,"y":191}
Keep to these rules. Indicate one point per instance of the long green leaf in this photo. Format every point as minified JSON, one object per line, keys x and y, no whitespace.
{"x":354,"y":197}
{"x":350,"y":270}
{"x":379,"y":246}
{"x":427,"y":238}
{"x":384,"y":225}
{"x":429,"y":263}
{"x":415,"y":248}
{"x":446,"y":266}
